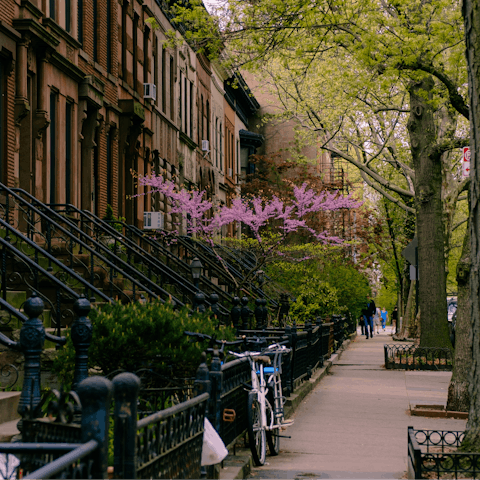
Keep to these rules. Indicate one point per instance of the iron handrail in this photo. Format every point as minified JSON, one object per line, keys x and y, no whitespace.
{"x":133,"y":247}
{"x":64,"y":461}
{"x":206,"y":254}
{"x":58,"y":263}
{"x":236,"y":259}
{"x":4,"y":305}
{"x":93,"y":252}
{"x":159,"y":416}
{"x":179,"y":262}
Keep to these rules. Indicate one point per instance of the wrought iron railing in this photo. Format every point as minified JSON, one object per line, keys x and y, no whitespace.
{"x":91,"y":259}
{"x":211,"y":262}
{"x":434,"y":454}
{"x":142,"y":253}
{"x":61,"y":450}
{"x":413,"y":357}
{"x":166,"y":444}
{"x":57,"y":284}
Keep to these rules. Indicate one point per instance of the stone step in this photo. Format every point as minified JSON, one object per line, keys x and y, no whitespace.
{"x":8,"y":430}
{"x":8,"y":406}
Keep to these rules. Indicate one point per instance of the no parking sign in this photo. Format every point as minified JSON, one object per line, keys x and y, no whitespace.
{"x":466,"y":162}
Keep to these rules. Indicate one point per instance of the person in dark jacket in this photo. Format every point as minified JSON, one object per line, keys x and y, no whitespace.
{"x":370,"y":311}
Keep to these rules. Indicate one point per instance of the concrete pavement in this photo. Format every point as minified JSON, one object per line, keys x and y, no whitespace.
{"x":354,"y":423}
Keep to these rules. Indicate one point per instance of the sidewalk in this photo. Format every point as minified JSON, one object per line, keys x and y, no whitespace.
{"x":354,"y":422}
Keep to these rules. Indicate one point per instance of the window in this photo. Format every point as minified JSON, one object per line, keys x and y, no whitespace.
{"x":180,"y":101}
{"x":164,"y":80}
{"x":109,"y":166}
{"x":185,"y":106}
{"x":95,"y":31}
{"x":135,"y":50}
{"x":80,"y":20}
{"x":146,"y":35}
{"x":52,"y":8}
{"x":53,"y":145}
{"x":172,"y":89}
{"x":208,"y":121}
{"x":216,"y":142}
{"x":220,"y":131}
{"x":2,"y":118}
{"x":202,"y":111}
{"x":109,"y":36}
{"x":68,"y":8}
{"x":155,"y":66}
{"x":124,"y":40}
{"x":191,"y":110}
{"x":68,"y":152}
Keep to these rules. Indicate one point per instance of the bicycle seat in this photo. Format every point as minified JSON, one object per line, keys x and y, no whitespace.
{"x":263,"y":359}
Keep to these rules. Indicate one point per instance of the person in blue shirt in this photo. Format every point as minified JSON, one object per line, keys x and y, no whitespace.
{"x":384,"y":314}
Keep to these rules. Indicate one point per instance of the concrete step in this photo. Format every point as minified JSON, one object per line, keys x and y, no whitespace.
{"x":8,"y":430}
{"x":8,"y":406}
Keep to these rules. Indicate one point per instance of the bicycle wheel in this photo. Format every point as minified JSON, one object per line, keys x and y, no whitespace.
{"x":273,"y":436}
{"x":256,"y":433}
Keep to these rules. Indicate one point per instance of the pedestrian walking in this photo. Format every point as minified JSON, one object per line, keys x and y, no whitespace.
{"x":376,"y":320}
{"x":364,"y":320}
{"x":384,"y":315}
{"x":394,"y":320}
{"x":370,"y":312}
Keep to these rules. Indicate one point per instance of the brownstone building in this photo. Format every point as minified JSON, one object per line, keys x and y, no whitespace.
{"x":93,"y":95}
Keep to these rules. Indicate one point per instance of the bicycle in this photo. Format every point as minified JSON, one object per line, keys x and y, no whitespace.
{"x":265,"y":410}
{"x":265,"y":401}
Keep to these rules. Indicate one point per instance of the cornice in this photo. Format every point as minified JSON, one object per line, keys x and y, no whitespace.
{"x":28,"y":25}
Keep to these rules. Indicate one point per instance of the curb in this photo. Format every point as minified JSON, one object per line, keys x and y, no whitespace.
{"x":238,"y":464}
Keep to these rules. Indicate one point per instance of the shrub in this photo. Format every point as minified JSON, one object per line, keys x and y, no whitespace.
{"x":134,"y":336}
{"x":318,"y":299}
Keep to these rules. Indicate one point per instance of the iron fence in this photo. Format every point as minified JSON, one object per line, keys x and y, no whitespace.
{"x":433,"y":454}
{"x":413,"y":357}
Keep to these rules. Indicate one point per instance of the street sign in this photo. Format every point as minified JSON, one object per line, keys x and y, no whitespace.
{"x":466,"y":162}
{"x":409,"y":252}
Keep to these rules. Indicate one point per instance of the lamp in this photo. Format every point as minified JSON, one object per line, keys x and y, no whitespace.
{"x":196,"y":267}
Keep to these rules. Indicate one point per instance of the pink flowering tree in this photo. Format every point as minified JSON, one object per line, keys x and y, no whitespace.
{"x":269,"y":221}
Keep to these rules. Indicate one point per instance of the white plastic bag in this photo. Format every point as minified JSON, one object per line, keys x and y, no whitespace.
{"x":214,"y":450}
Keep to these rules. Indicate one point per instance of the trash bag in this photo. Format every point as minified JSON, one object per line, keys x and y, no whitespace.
{"x":214,"y":450}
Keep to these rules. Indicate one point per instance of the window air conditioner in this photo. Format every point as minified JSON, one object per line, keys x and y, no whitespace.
{"x":150,"y":91}
{"x":152,"y":220}
{"x":205,"y":146}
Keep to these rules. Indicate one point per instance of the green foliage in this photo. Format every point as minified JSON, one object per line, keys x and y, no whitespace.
{"x":111,"y":219}
{"x":325,"y":278}
{"x":133,"y":336}
{"x":351,"y":285}
{"x":318,"y":299}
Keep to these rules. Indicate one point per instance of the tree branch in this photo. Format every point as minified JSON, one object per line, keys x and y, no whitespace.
{"x":386,"y":194}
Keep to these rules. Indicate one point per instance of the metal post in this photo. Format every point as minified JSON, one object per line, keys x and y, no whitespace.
{"x":81,"y":332}
{"x":216,"y":376}
{"x":126,"y":387}
{"x":32,"y":339}
{"x":258,"y":312}
{"x":235,"y":313}
{"x":245,"y":313}
{"x":95,"y":395}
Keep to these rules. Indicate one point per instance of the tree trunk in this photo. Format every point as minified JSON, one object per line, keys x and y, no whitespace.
{"x":471,"y":12}
{"x":458,"y":396}
{"x":429,"y":208}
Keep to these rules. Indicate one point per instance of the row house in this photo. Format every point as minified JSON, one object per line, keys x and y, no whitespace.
{"x":93,"y":94}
